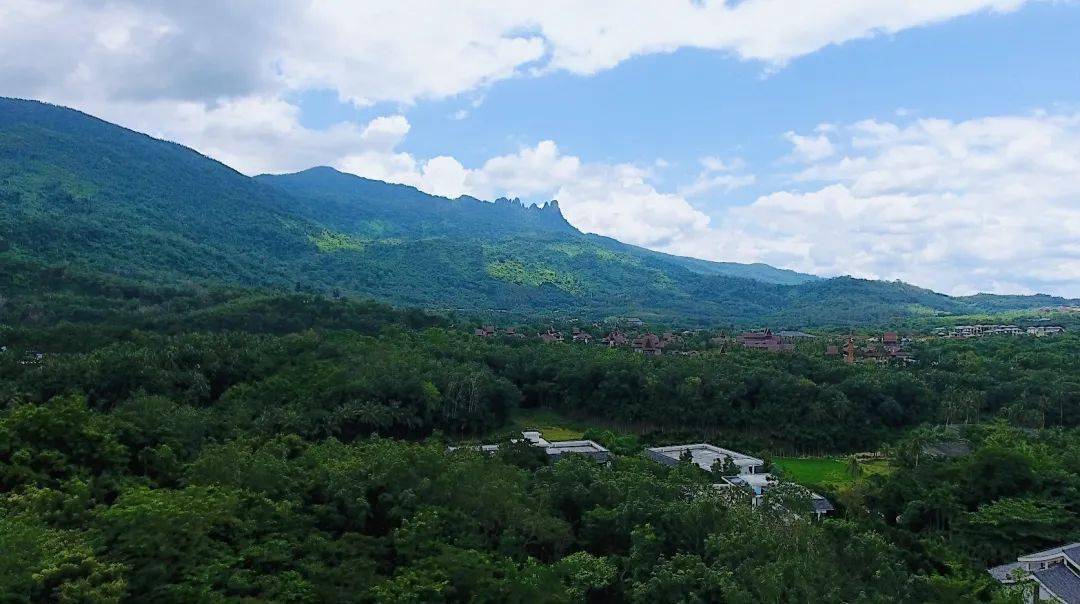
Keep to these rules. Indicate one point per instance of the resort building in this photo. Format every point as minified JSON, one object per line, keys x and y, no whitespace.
{"x":1053,"y":575}
{"x":764,"y":340}
{"x":555,"y":450}
{"x":751,"y":478}
{"x":649,"y":344}
{"x":705,"y":455}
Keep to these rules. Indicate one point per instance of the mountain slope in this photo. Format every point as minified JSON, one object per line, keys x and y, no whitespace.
{"x":77,"y":190}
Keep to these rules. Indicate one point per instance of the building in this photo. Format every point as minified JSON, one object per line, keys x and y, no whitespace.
{"x":578,"y":335}
{"x":978,"y":331}
{"x":1053,"y":574}
{"x":634,"y":322}
{"x":555,"y":450}
{"x":764,"y":340}
{"x":705,"y":455}
{"x":1044,"y":330}
{"x":751,"y":477}
{"x":551,"y":336}
{"x":891,"y":348}
{"x":649,"y":344}
{"x":795,"y":335}
{"x":614,"y":339}
{"x":485,"y":332}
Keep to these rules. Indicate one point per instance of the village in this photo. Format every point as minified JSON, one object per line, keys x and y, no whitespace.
{"x":884,"y":348}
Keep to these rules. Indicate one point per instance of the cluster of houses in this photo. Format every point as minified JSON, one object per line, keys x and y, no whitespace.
{"x":889,"y":348}
{"x":747,"y":477}
{"x":978,"y":331}
{"x":646,"y":343}
{"x":1051,"y":575}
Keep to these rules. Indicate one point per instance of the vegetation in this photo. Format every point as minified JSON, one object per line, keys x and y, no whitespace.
{"x":179,"y":443}
{"x":79,"y":192}
{"x":828,"y":472}
{"x":193,"y":407}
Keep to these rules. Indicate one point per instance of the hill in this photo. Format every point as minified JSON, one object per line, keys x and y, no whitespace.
{"x":77,"y":191}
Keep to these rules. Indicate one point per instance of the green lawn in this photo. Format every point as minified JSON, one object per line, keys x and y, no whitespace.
{"x":824,"y":471}
{"x":551,"y":424}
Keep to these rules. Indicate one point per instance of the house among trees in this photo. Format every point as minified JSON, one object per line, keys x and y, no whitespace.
{"x":764,"y":340}
{"x":649,"y":344}
{"x":634,"y":322}
{"x":733,"y":470}
{"x":579,"y":335}
{"x":555,"y":450}
{"x":1053,"y":574}
{"x":485,"y":332}
{"x":1044,"y":330}
{"x":551,"y":336}
{"x":614,"y":339}
{"x":978,"y":331}
{"x":891,"y":349}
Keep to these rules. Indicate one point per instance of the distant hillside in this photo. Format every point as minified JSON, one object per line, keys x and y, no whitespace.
{"x":79,"y":191}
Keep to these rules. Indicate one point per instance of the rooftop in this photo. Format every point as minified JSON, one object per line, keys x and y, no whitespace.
{"x":1062,"y":581}
{"x":705,"y":455}
{"x":1071,"y":550}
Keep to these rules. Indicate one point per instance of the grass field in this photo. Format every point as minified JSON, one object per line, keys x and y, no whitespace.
{"x":553,"y":425}
{"x":824,"y":471}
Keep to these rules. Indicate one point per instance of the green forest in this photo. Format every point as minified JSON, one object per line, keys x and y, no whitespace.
{"x":218,"y":388}
{"x":178,"y":444}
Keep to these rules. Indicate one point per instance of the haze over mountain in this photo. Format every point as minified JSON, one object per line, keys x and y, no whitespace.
{"x":81,"y":191}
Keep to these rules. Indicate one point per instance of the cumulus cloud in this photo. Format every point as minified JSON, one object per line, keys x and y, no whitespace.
{"x":608,"y":199}
{"x":813,"y":147}
{"x":718,"y":175}
{"x":394,"y":50}
{"x":988,"y":204}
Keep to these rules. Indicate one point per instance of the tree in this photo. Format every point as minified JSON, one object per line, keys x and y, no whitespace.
{"x":854,"y":467}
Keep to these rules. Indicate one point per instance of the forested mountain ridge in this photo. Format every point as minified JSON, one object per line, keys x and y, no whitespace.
{"x":75,"y":190}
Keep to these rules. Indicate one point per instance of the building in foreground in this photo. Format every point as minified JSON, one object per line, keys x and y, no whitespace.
{"x":1053,"y":574}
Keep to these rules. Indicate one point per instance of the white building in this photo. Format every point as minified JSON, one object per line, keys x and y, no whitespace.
{"x":751,"y":476}
{"x":555,"y":450}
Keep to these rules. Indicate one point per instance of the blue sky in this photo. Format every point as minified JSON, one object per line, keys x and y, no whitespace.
{"x":937,"y":142}
{"x":694,"y":103}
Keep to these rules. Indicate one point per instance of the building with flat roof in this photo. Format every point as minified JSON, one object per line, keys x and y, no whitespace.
{"x":705,"y":455}
{"x":555,"y":450}
{"x":751,"y":478}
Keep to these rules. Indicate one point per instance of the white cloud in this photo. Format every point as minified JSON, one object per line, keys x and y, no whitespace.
{"x":811,"y":148}
{"x":718,"y":174}
{"x":608,"y":199}
{"x":400,"y":50}
{"x":981,"y":205}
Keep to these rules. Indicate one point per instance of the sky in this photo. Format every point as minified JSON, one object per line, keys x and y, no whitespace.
{"x":931,"y":141}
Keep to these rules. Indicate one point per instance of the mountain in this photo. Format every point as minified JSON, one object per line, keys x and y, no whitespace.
{"x":78,"y":191}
